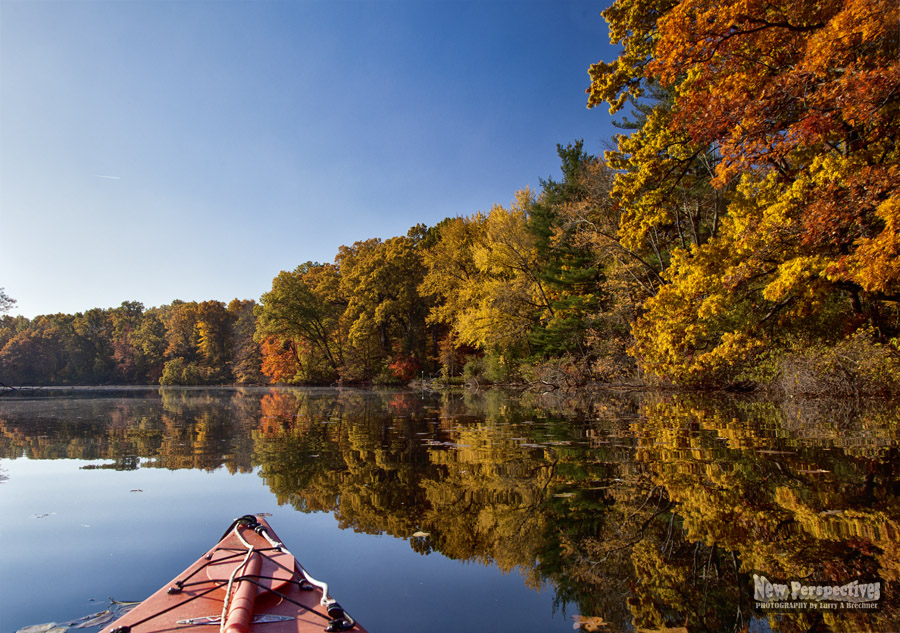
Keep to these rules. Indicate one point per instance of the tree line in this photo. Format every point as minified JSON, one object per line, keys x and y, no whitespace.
{"x":183,"y":343}
{"x":742,"y":232}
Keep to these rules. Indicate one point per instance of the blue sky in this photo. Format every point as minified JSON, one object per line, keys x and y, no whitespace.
{"x":152,"y":151}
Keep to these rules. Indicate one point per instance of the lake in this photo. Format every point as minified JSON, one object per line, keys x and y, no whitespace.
{"x":465,"y":511}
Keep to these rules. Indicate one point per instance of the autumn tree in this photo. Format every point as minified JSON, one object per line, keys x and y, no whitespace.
{"x":182,"y":344}
{"x":508,"y":296}
{"x":88,"y":341}
{"x":10,"y":326}
{"x":148,"y":340}
{"x":385,"y":314}
{"x":36,"y":354}
{"x":299,"y":320}
{"x":246,"y":358}
{"x":182,"y":337}
{"x":214,"y":344}
{"x":789,"y":112}
{"x":124,"y":322}
{"x":486,"y":273}
{"x":450,"y":277}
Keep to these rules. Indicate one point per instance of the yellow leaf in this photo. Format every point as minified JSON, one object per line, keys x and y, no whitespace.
{"x":588,"y":623}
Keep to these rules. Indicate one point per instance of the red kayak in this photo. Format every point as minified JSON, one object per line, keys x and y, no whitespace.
{"x":248,"y":583}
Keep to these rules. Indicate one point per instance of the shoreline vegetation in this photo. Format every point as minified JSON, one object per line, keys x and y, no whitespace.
{"x":743,"y":234}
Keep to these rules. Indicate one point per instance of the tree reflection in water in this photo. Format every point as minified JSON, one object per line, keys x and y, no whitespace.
{"x":647,"y":512}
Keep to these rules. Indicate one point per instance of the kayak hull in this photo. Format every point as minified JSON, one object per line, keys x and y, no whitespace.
{"x":252,"y":580}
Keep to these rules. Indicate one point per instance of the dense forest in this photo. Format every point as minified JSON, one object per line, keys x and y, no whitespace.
{"x":744,"y":231}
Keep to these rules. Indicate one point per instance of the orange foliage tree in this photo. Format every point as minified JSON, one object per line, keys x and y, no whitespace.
{"x":797,"y":104}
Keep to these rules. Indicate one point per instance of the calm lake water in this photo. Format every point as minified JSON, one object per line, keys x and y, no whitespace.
{"x":463,"y":512}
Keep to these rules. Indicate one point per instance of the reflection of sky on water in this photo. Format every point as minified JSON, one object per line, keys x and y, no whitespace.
{"x":95,"y":533}
{"x":84,"y":534}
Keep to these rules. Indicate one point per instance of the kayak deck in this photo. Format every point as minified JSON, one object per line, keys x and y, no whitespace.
{"x":247,"y":583}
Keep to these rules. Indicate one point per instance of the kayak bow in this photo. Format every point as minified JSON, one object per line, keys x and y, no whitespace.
{"x":249,"y":578}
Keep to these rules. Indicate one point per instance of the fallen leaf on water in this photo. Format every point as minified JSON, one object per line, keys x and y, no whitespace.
{"x":38,"y":628}
{"x":421,"y":534}
{"x":96,"y":619}
{"x":588,"y":623}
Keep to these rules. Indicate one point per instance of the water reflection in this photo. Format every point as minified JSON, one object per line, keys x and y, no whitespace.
{"x":647,"y":512}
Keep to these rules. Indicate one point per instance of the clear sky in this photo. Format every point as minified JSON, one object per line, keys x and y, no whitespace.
{"x":161,"y":150}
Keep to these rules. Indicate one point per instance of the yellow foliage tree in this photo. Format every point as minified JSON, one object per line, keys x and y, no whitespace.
{"x":777,"y":133}
{"x":486,"y":271}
